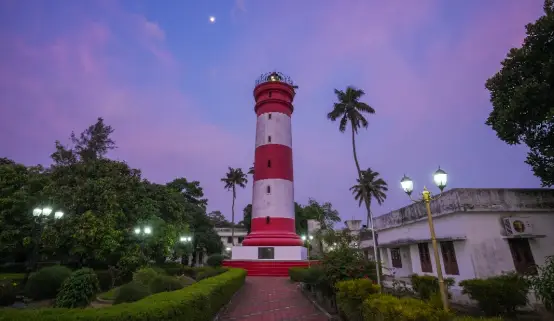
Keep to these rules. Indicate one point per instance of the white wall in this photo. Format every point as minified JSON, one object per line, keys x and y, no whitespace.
{"x":282,"y":253}
{"x":278,"y":203}
{"x":278,"y":127}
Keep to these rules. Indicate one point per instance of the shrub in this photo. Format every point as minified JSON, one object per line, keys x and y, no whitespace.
{"x":172,"y":268}
{"x":13,"y":268}
{"x":476,"y":319}
{"x":215,"y":260}
{"x":498,"y":295}
{"x":8,"y":292}
{"x":209,"y":272}
{"x":159,"y":270}
{"x":164,"y":283}
{"x":346,"y":263}
{"x":426,"y":285}
{"x":351,"y":294}
{"x":388,"y":307}
{"x":105,"y":279}
{"x":131,"y":292}
{"x":45,"y":283}
{"x":78,"y":290}
{"x":189,"y":271}
{"x":543,"y":283}
{"x":298,"y":274}
{"x":144,"y":276}
{"x":198,"y":302}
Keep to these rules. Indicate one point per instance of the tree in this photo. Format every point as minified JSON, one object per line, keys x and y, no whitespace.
{"x":522,"y":96}
{"x":349,"y":109}
{"x":251,"y":170}
{"x":218,"y":219}
{"x":247,"y":217}
{"x":21,"y":190}
{"x":324,"y":214}
{"x":192,"y":191}
{"x":92,"y":144}
{"x":234,"y":177}
{"x":371,"y":186}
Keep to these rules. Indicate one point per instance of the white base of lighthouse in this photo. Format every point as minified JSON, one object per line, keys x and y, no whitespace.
{"x":269,"y":253}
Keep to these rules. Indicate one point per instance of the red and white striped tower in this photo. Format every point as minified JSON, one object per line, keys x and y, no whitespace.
{"x":273,"y":195}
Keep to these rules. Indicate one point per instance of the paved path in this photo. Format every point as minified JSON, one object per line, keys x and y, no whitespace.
{"x":271,"y":299}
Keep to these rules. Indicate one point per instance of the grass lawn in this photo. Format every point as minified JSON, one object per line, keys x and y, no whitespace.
{"x":12,"y":276}
{"x":110,"y":295}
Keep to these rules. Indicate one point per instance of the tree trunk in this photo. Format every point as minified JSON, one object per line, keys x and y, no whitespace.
{"x":366,"y":201}
{"x":233,"y":217}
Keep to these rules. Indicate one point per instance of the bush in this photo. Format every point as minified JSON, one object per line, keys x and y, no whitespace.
{"x":45,"y":283}
{"x":13,"y":268}
{"x":215,"y":260}
{"x":131,"y":292}
{"x":8,"y":292}
{"x":78,"y":290}
{"x":164,"y":283}
{"x":172,"y":268}
{"x":426,"y":285}
{"x":144,"y":276}
{"x":346,"y":263}
{"x":475,"y":319}
{"x":198,"y":302}
{"x":388,"y":307}
{"x":105,"y":279}
{"x":498,"y":295}
{"x":209,"y":272}
{"x":543,"y":283}
{"x":351,"y":294}
{"x":298,"y":274}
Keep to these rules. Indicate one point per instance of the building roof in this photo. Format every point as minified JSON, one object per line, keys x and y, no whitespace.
{"x":476,"y":200}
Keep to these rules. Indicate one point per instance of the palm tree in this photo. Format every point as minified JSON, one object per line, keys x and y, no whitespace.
{"x":375,"y":188}
{"x":234,"y":177}
{"x":251,"y":170}
{"x":350,"y":110}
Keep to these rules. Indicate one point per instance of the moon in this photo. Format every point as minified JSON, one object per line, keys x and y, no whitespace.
{"x":212,"y":19}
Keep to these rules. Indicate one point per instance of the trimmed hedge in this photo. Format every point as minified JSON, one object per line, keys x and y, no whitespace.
{"x":198,"y":302}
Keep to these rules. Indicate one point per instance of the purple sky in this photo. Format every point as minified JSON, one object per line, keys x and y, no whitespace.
{"x":178,"y":90}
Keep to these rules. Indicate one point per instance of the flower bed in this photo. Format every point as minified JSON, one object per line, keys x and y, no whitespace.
{"x":198,"y":302}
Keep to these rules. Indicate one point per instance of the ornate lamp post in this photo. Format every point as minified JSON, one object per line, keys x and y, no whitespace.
{"x":41,"y":216}
{"x":440,"y":178}
{"x":308,"y":239}
{"x":142,"y":233}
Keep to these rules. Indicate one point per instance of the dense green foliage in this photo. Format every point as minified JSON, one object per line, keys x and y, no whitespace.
{"x":131,"y":292}
{"x":543,"y":283}
{"x":198,"y":302}
{"x":351,"y":294}
{"x":215,"y":260}
{"x":144,"y":275}
{"x":522,"y":95}
{"x":165,"y":283}
{"x":78,"y":290}
{"x":46,"y":282}
{"x":498,"y":295}
{"x":8,"y":292}
{"x":427,"y":285}
{"x":103,"y":200}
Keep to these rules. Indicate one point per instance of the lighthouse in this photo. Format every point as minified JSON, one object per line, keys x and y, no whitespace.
{"x":272,"y":245}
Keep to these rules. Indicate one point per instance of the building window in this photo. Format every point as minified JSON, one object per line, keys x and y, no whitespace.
{"x":522,"y":256}
{"x":268,"y":116}
{"x":395,"y":257}
{"x":269,"y":163}
{"x":229,"y":239}
{"x":266,"y":253}
{"x":241,"y":239}
{"x":268,"y":189}
{"x":425,"y":258}
{"x":449,"y":258}
{"x":269,"y":139}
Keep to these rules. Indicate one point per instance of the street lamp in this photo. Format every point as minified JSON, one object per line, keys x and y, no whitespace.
{"x":440,"y":177}
{"x":307,"y":239}
{"x":185,"y":239}
{"x":144,"y":231}
{"x":41,"y":215}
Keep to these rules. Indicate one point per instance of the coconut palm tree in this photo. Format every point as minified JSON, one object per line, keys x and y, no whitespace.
{"x":374,"y":186}
{"x":234,"y":177}
{"x":251,"y":170}
{"x":350,"y":110}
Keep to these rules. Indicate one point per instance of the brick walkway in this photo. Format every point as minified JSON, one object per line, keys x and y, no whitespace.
{"x":271,"y":299}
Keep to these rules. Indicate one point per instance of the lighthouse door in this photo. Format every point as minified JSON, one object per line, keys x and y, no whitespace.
{"x":266,"y":253}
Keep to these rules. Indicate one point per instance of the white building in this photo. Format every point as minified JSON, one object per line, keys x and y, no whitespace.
{"x":481,"y":233}
{"x":226,"y":238}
